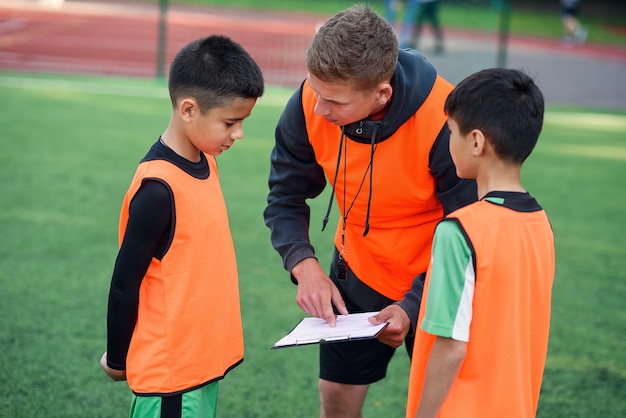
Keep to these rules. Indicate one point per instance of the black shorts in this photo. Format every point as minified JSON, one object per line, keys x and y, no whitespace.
{"x":358,"y":362}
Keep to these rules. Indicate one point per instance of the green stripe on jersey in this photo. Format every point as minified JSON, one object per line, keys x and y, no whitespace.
{"x":451,"y":287}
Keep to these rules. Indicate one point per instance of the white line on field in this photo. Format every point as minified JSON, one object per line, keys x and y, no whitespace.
{"x":273,"y":97}
{"x":596,"y":121}
{"x":84,"y":87}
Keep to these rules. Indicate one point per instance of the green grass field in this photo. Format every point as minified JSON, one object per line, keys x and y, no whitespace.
{"x":69,"y":148}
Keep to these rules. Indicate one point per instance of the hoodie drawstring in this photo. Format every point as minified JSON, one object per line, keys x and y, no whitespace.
{"x":332,"y":193}
{"x":369,"y":197}
{"x":370,"y":167}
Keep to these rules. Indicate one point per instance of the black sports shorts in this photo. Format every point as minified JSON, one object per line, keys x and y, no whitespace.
{"x":359,"y":362}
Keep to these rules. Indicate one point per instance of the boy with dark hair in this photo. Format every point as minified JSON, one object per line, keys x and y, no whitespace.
{"x":174,"y":322}
{"x":481,"y":346}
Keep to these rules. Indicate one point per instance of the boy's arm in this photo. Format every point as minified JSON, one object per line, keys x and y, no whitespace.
{"x":444,"y":363}
{"x":117,"y":375}
{"x":447,"y":313}
{"x":149,"y":219}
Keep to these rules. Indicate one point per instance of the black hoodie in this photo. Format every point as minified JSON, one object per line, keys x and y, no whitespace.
{"x":296,"y":176}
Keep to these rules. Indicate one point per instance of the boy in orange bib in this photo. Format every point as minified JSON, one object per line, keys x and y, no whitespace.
{"x":480,"y":348}
{"x":174,"y":322}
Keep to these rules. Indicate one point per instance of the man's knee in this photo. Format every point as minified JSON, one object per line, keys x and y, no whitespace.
{"x":339,"y":400}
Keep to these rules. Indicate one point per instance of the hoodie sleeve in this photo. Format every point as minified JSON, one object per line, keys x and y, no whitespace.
{"x":412,"y":301}
{"x":294,"y":177}
{"x":452,"y":192}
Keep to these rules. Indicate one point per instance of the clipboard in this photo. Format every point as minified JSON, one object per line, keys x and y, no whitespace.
{"x":317,"y":331}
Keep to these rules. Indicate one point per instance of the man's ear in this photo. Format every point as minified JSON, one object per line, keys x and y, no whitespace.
{"x":187,"y":109}
{"x":479,"y":142}
{"x":384,"y":93}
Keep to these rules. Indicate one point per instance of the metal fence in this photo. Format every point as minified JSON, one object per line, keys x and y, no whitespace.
{"x":139,"y":39}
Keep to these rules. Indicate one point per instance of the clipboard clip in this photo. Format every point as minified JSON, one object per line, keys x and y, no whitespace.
{"x":323,"y":340}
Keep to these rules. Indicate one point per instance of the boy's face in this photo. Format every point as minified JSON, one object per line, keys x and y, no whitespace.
{"x":461,"y":150}
{"x":341,"y":104}
{"x":217,"y":130}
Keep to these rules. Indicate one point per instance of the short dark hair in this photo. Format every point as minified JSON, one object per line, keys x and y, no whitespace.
{"x":214,"y":70}
{"x":505,"y":104}
{"x":355,"y":45}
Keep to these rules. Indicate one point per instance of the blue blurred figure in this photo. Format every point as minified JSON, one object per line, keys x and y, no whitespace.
{"x":573,"y":31}
{"x":391,"y":10}
{"x":428,"y":11}
{"x":415,"y":14}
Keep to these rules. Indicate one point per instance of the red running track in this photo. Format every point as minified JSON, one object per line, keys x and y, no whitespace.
{"x":122,"y":39}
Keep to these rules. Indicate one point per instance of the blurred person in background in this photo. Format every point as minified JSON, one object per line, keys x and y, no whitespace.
{"x":416,"y":13}
{"x":573,"y":31}
{"x":391,"y":10}
{"x":428,"y":11}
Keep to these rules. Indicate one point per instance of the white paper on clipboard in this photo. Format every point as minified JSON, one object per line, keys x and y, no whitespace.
{"x":317,"y":331}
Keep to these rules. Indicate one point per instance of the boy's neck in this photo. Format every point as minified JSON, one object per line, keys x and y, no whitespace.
{"x":503,"y":178}
{"x":183,"y":148}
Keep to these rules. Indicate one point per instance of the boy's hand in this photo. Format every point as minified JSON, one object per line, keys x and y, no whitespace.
{"x":117,"y":375}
